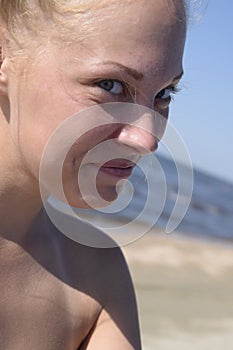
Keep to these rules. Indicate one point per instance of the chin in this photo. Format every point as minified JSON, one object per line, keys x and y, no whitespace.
{"x":108,"y":194}
{"x":105,"y":196}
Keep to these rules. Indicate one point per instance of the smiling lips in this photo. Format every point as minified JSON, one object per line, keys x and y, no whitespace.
{"x":120,"y":168}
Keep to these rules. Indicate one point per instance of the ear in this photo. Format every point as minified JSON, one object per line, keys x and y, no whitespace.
{"x":3,"y":74}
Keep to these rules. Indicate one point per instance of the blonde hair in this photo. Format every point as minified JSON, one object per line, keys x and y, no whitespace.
{"x":14,"y":11}
{"x":21,"y":18}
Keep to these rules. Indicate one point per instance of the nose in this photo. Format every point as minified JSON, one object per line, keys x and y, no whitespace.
{"x":139,"y":139}
{"x":142,"y":134}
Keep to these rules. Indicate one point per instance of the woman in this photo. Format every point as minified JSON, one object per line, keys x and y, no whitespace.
{"x":58,"y":59}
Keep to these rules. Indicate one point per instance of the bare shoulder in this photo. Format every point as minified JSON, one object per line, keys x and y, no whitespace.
{"x":102,"y":275}
{"x":117,"y":325}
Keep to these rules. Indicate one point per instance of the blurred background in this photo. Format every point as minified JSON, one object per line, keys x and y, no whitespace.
{"x":202,"y":111}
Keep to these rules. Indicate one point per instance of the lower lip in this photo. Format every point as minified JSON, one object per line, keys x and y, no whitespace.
{"x":121,"y":173}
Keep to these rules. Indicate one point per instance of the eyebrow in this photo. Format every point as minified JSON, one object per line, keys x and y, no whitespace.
{"x":178,"y":76}
{"x":133,"y":72}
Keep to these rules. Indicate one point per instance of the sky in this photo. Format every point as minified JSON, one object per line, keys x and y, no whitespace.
{"x":202,"y":111}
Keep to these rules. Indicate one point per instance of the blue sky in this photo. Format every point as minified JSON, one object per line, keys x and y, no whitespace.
{"x":202,"y":111}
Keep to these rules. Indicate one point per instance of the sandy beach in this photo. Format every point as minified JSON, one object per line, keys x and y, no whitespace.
{"x":184,"y":290}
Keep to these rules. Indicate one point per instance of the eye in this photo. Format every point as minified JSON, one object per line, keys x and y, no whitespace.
{"x":113,"y":86}
{"x":164,"y":97}
{"x":166,"y":93}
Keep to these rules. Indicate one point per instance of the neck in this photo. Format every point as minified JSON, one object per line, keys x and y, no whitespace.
{"x":20,"y":200}
{"x":18,"y":210}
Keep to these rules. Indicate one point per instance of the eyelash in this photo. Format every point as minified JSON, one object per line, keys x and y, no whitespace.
{"x":124,"y":87}
{"x":172,"y":91}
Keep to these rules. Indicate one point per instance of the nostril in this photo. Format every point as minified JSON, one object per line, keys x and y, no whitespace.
{"x":155,"y":147}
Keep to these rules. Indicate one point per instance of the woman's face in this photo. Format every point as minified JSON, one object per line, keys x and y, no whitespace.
{"x":132,"y":53}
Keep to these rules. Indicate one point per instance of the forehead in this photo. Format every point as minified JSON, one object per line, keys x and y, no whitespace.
{"x":113,"y":17}
{"x":145,"y":33}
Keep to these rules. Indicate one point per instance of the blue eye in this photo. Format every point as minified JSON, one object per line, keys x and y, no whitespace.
{"x":167,"y":92}
{"x":112,"y":86}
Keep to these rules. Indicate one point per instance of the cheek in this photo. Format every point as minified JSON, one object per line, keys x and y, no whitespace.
{"x":33,"y":136}
{"x":37,"y":119}
{"x":163,"y":110}
{"x":31,"y":146}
